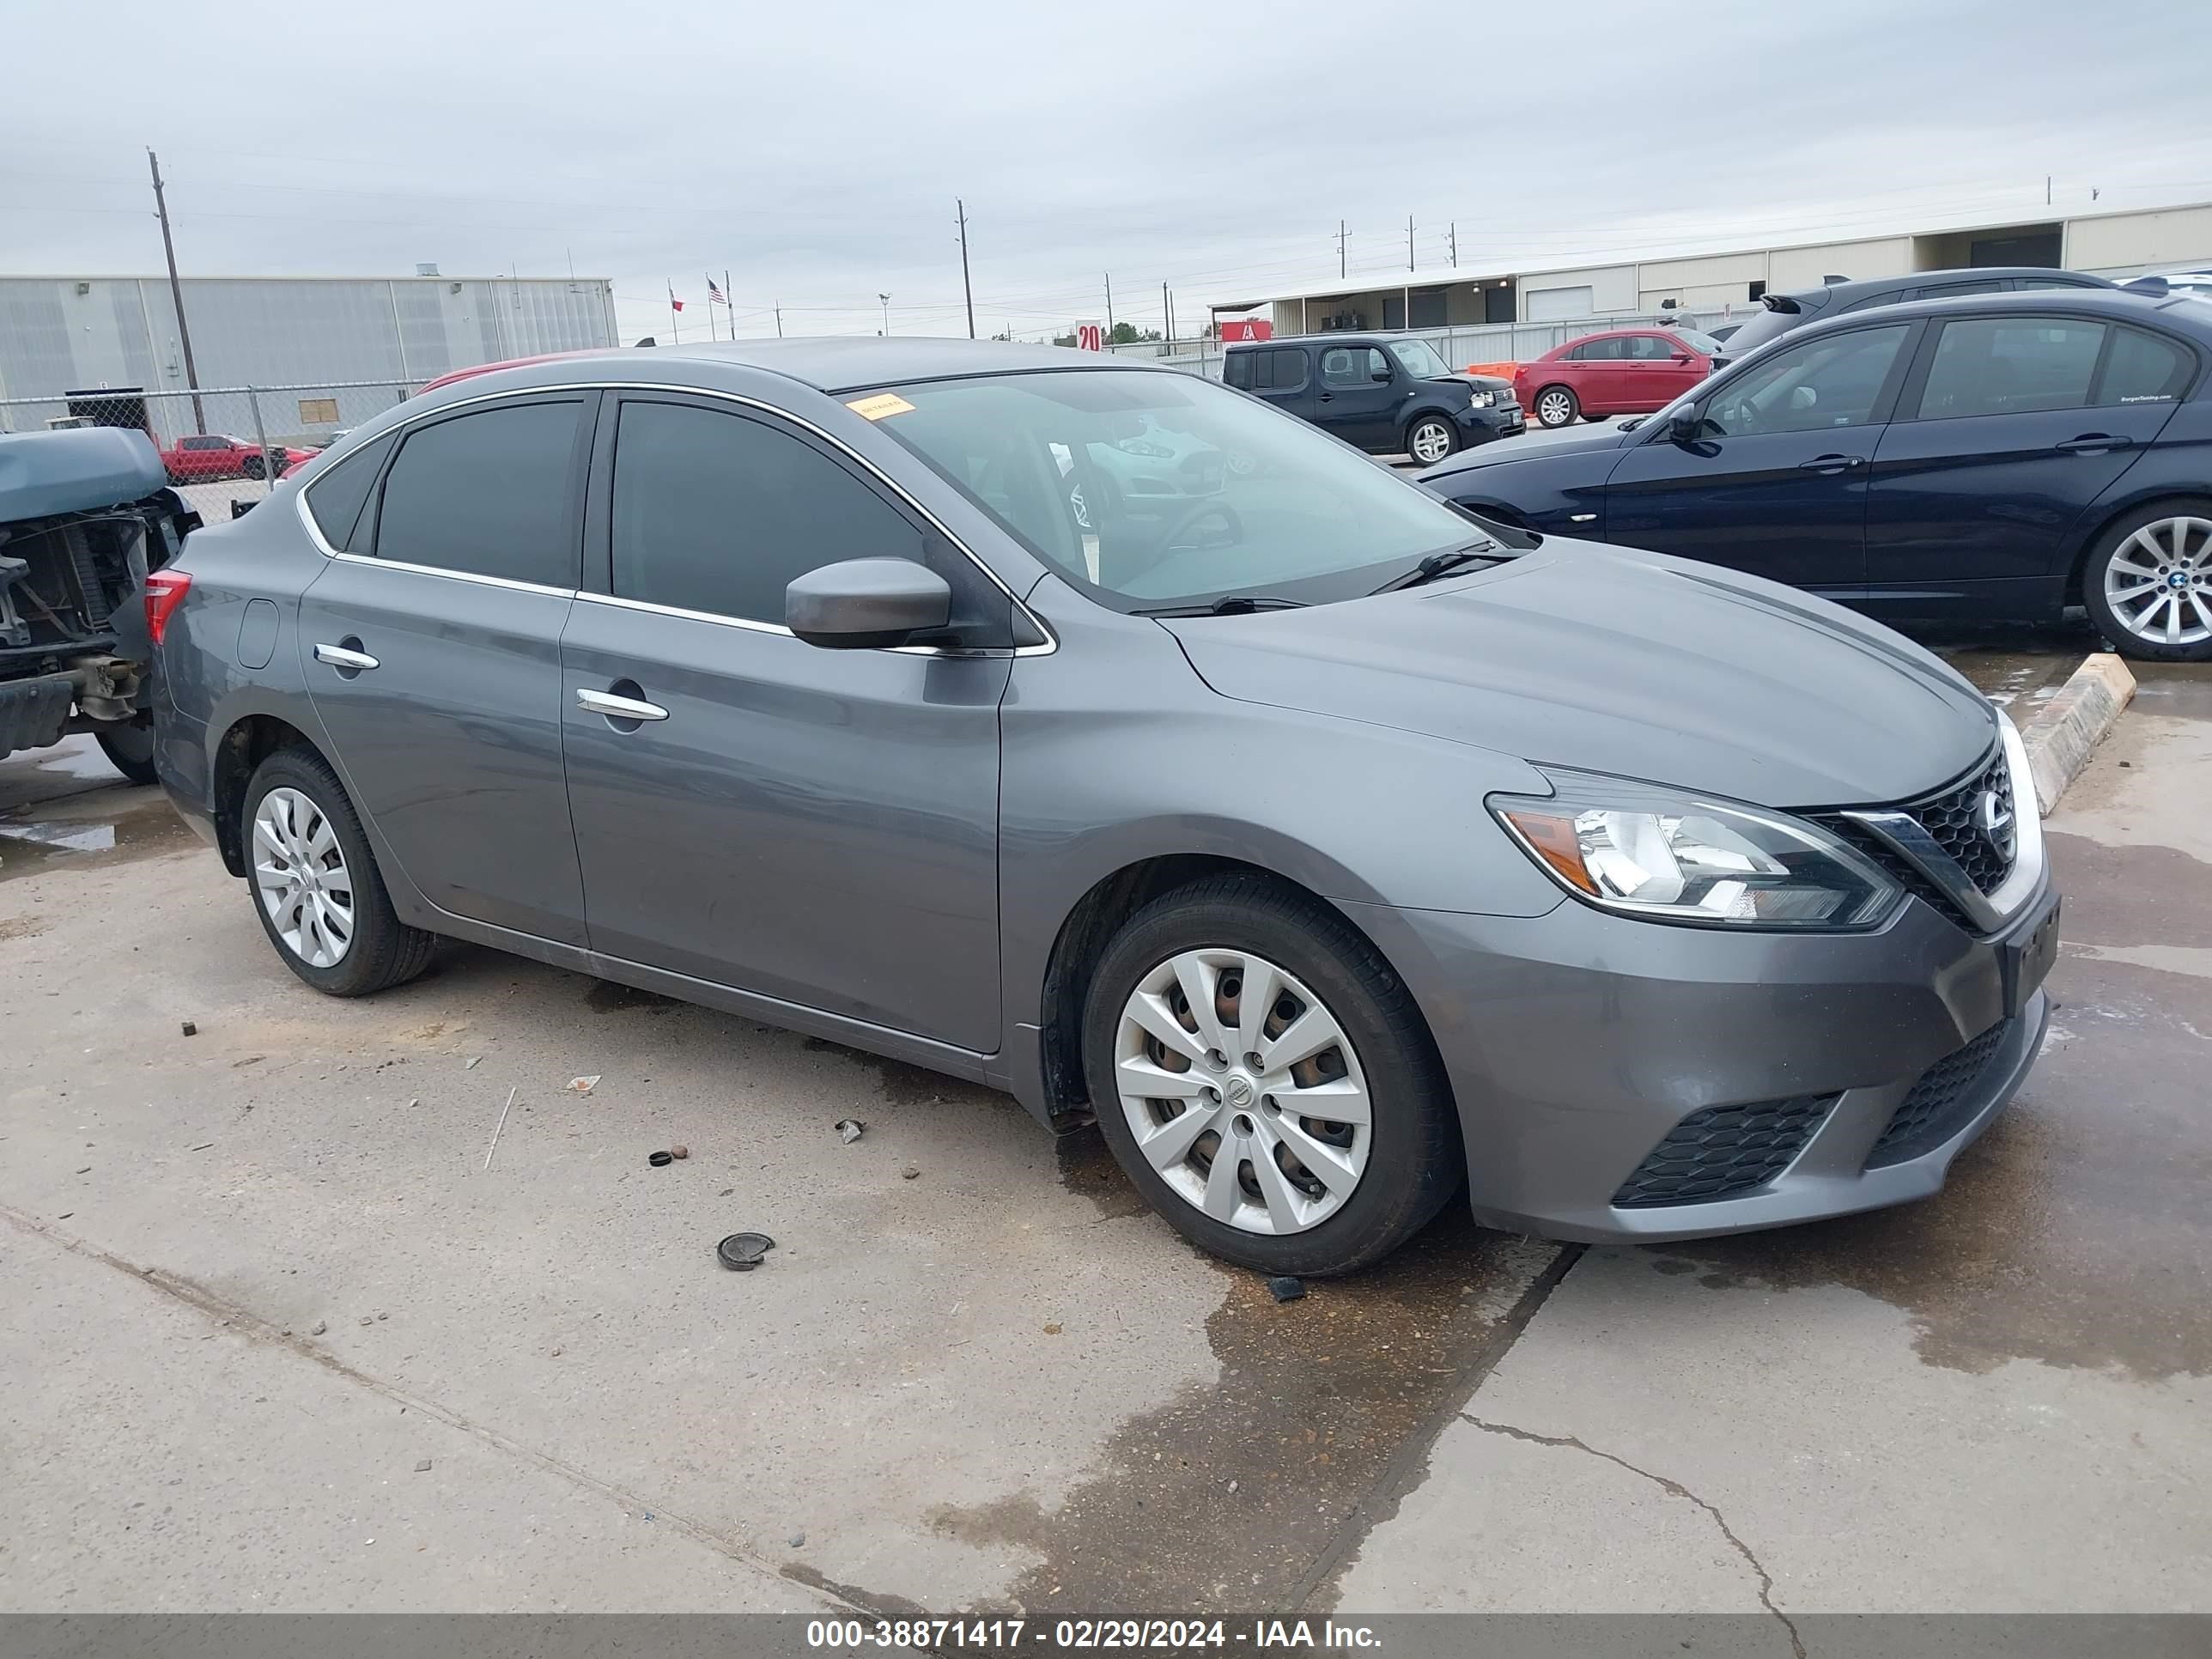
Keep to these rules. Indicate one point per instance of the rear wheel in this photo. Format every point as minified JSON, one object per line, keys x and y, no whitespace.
{"x":2148,"y":584}
{"x":1264,"y":1078}
{"x":315,"y":885}
{"x":130,"y":749}
{"x":1429,"y":438}
{"x":1557,"y":405}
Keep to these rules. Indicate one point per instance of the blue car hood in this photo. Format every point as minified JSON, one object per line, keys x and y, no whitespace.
{"x":1634,"y":664}
{"x":42,"y":474}
{"x":1581,"y":443}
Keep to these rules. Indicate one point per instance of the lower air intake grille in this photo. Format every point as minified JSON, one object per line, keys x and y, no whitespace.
{"x":1943,"y":1098}
{"x":1723,"y":1151}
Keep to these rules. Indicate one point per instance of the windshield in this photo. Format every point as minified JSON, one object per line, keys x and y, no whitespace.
{"x":1418,"y":359}
{"x":1704,"y":345}
{"x":1152,"y":489}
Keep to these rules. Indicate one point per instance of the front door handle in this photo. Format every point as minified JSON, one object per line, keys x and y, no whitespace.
{"x":2094,"y":443}
{"x":1832,"y":463}
{"x":618,"y":708}
{"x":338,"y":656}
{"x":1327,"y":397}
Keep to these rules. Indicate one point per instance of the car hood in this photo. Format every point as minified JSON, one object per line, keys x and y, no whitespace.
{"x":1480,"y":382}
{"x":1587,"y":442}
{"x":1634,"y":663}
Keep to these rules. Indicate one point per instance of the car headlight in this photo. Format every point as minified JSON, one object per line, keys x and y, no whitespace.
{"x":1671,"y":856}
{"x":1483,"y":399}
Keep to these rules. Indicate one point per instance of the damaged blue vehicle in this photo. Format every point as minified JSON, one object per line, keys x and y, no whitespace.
{"x":85,"y":517}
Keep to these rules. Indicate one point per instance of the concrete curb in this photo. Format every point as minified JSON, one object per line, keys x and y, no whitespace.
{"x":2066,"y":729}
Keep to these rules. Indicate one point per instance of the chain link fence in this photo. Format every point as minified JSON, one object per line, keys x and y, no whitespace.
{"x":219,"y":444}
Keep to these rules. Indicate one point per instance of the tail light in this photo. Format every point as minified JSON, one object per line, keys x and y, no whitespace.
{"x":165,"y":591}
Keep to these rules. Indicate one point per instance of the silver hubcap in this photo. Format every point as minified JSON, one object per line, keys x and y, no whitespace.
{"x":1553,"y":408}
{"x":299,"y":871}
{"x":1431,"y":442}
{"x":1243,"y":1091}
{"x":2159,"y":583}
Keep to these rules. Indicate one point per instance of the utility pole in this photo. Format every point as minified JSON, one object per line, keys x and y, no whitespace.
{"x":177,"y":292}
{"x":779,"y":322}
{"x":1409,"y":241}
{"x":2046,"y":187}
{"x":1167,"y":314}
{"x":962,"y":207}
{"x":1455,"y":244}
{"x":886,"y":300}
{"x":730,"y":302}
{"x":1339,"y":249}
{"x":1109,"y":305}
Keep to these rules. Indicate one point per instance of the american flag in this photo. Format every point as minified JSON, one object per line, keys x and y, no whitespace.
{"x":714,"y":295}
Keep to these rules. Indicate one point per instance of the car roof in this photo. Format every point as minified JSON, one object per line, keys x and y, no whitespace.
{"x":836,"y":363}
{"x":1820,"y":299}
{"x":2190,"y":317}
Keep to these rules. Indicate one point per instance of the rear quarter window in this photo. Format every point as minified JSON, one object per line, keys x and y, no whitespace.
{"x":335,"y":496}
{"x":2144,"y":368}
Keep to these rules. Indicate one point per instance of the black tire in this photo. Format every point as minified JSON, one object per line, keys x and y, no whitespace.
{"x":1442,"y":423}
{"x":130,"y":749}
{"x":1415,"y":1165}
{"x":254,"y":465}
{"x":2109,"y":622}
{"x":1558,"y":406}
{"x":385,"y":951}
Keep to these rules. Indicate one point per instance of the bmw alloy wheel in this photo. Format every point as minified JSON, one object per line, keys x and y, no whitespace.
{"x":1242,"y":1089}
{"x":1431,"y":442}
{"x":300,"y":873}
{"x":2159,"y":581}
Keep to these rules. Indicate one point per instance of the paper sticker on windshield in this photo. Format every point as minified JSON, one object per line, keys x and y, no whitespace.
{"x":876,"y":408}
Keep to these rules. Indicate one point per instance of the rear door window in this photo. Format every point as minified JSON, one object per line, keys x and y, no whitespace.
{"x":486,"y":494}
{"x":2011,"y":366}
{"x":2144,"y":368}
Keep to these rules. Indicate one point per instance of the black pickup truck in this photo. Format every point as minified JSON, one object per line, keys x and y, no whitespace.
{"x":84,"y":516}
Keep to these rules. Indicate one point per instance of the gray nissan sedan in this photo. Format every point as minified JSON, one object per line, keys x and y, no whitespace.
{"x":1329,"y":847}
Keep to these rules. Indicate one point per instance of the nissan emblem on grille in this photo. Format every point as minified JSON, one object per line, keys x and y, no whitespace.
{"x":1993,"y":815}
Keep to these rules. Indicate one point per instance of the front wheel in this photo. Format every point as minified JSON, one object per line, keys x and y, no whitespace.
{"x":253,"y":466}
{"x":315,"y":883}
{"x":2148,"y":584}
{"x":1558,"y":406}
{"x":1430,"y":438}
{"x":1264,"y":1078}
{"x":130,"y":749}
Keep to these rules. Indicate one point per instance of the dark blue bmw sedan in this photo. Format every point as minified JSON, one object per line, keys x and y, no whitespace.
{"x":1990,"y":458}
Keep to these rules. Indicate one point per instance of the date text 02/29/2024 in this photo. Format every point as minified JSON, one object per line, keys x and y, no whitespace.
{"x":1159,"y":1634}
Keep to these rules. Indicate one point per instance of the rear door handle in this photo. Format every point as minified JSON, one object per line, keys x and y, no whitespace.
{"x":338,"y":657}
{"x":2094,"y":443}
{"x":618,"y":708}
{"x":1832,"y":463}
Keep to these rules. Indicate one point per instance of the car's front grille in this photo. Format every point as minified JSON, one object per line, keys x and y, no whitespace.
{"x":1944,"y":1098}
{"x":1722,"y":1151}
{"x":1954,"y":821}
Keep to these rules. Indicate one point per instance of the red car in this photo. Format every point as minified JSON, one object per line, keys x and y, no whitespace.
{"x":202,"y":456}
{"x":1625,"y":371}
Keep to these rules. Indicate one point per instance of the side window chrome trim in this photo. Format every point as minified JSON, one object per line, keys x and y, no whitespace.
{"x":507,"y":582}
{"x":1051,"y":640}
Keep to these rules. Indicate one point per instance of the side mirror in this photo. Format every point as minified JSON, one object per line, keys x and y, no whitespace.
{"x":1681,"y":356}
{"x":865,"y":602}
{"x":1686,"y":427}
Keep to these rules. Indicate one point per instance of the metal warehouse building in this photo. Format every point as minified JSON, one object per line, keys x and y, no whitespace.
{"x":367,"y":339}
{"x":2119,"y":243}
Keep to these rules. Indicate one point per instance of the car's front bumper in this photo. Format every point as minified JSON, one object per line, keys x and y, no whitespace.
{"x":1576,"y":1041}
{"x":1482,"y":426}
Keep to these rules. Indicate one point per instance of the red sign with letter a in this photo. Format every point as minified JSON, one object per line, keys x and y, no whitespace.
{"x":1246,"y":328}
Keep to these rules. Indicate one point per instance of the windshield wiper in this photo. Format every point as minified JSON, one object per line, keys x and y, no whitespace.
{"x":1229,"y":604}
{"x":1439,"y":564}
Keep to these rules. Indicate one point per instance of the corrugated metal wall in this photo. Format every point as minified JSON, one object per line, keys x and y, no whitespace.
{"x":60,"y":334}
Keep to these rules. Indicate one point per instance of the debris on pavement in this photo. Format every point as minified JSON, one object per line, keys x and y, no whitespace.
{"x":203,"y":1145}
{"x":798,"y":1540}
{"x":912,"y":1172}
{"x":501,"y":1125}
{"x":1052,"y":1329}
{"x":318,"y":1327}
{"x":188,"y":1028}
{"x":1286,"y":1289}
{"x":679,"y":1151}
{"x":472,"y":1063}
{"x":725,"y":1191}
{"x":742,"y":1252}
{"x":366,"y":1320}
{"x":850,"y":1129}
{"x":659,"y":1159}
{"x":584,"y":1086}
{"x":422,"y":1466}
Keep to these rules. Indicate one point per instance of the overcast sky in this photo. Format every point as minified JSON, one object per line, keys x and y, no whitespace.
{"x":815,"y":149}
